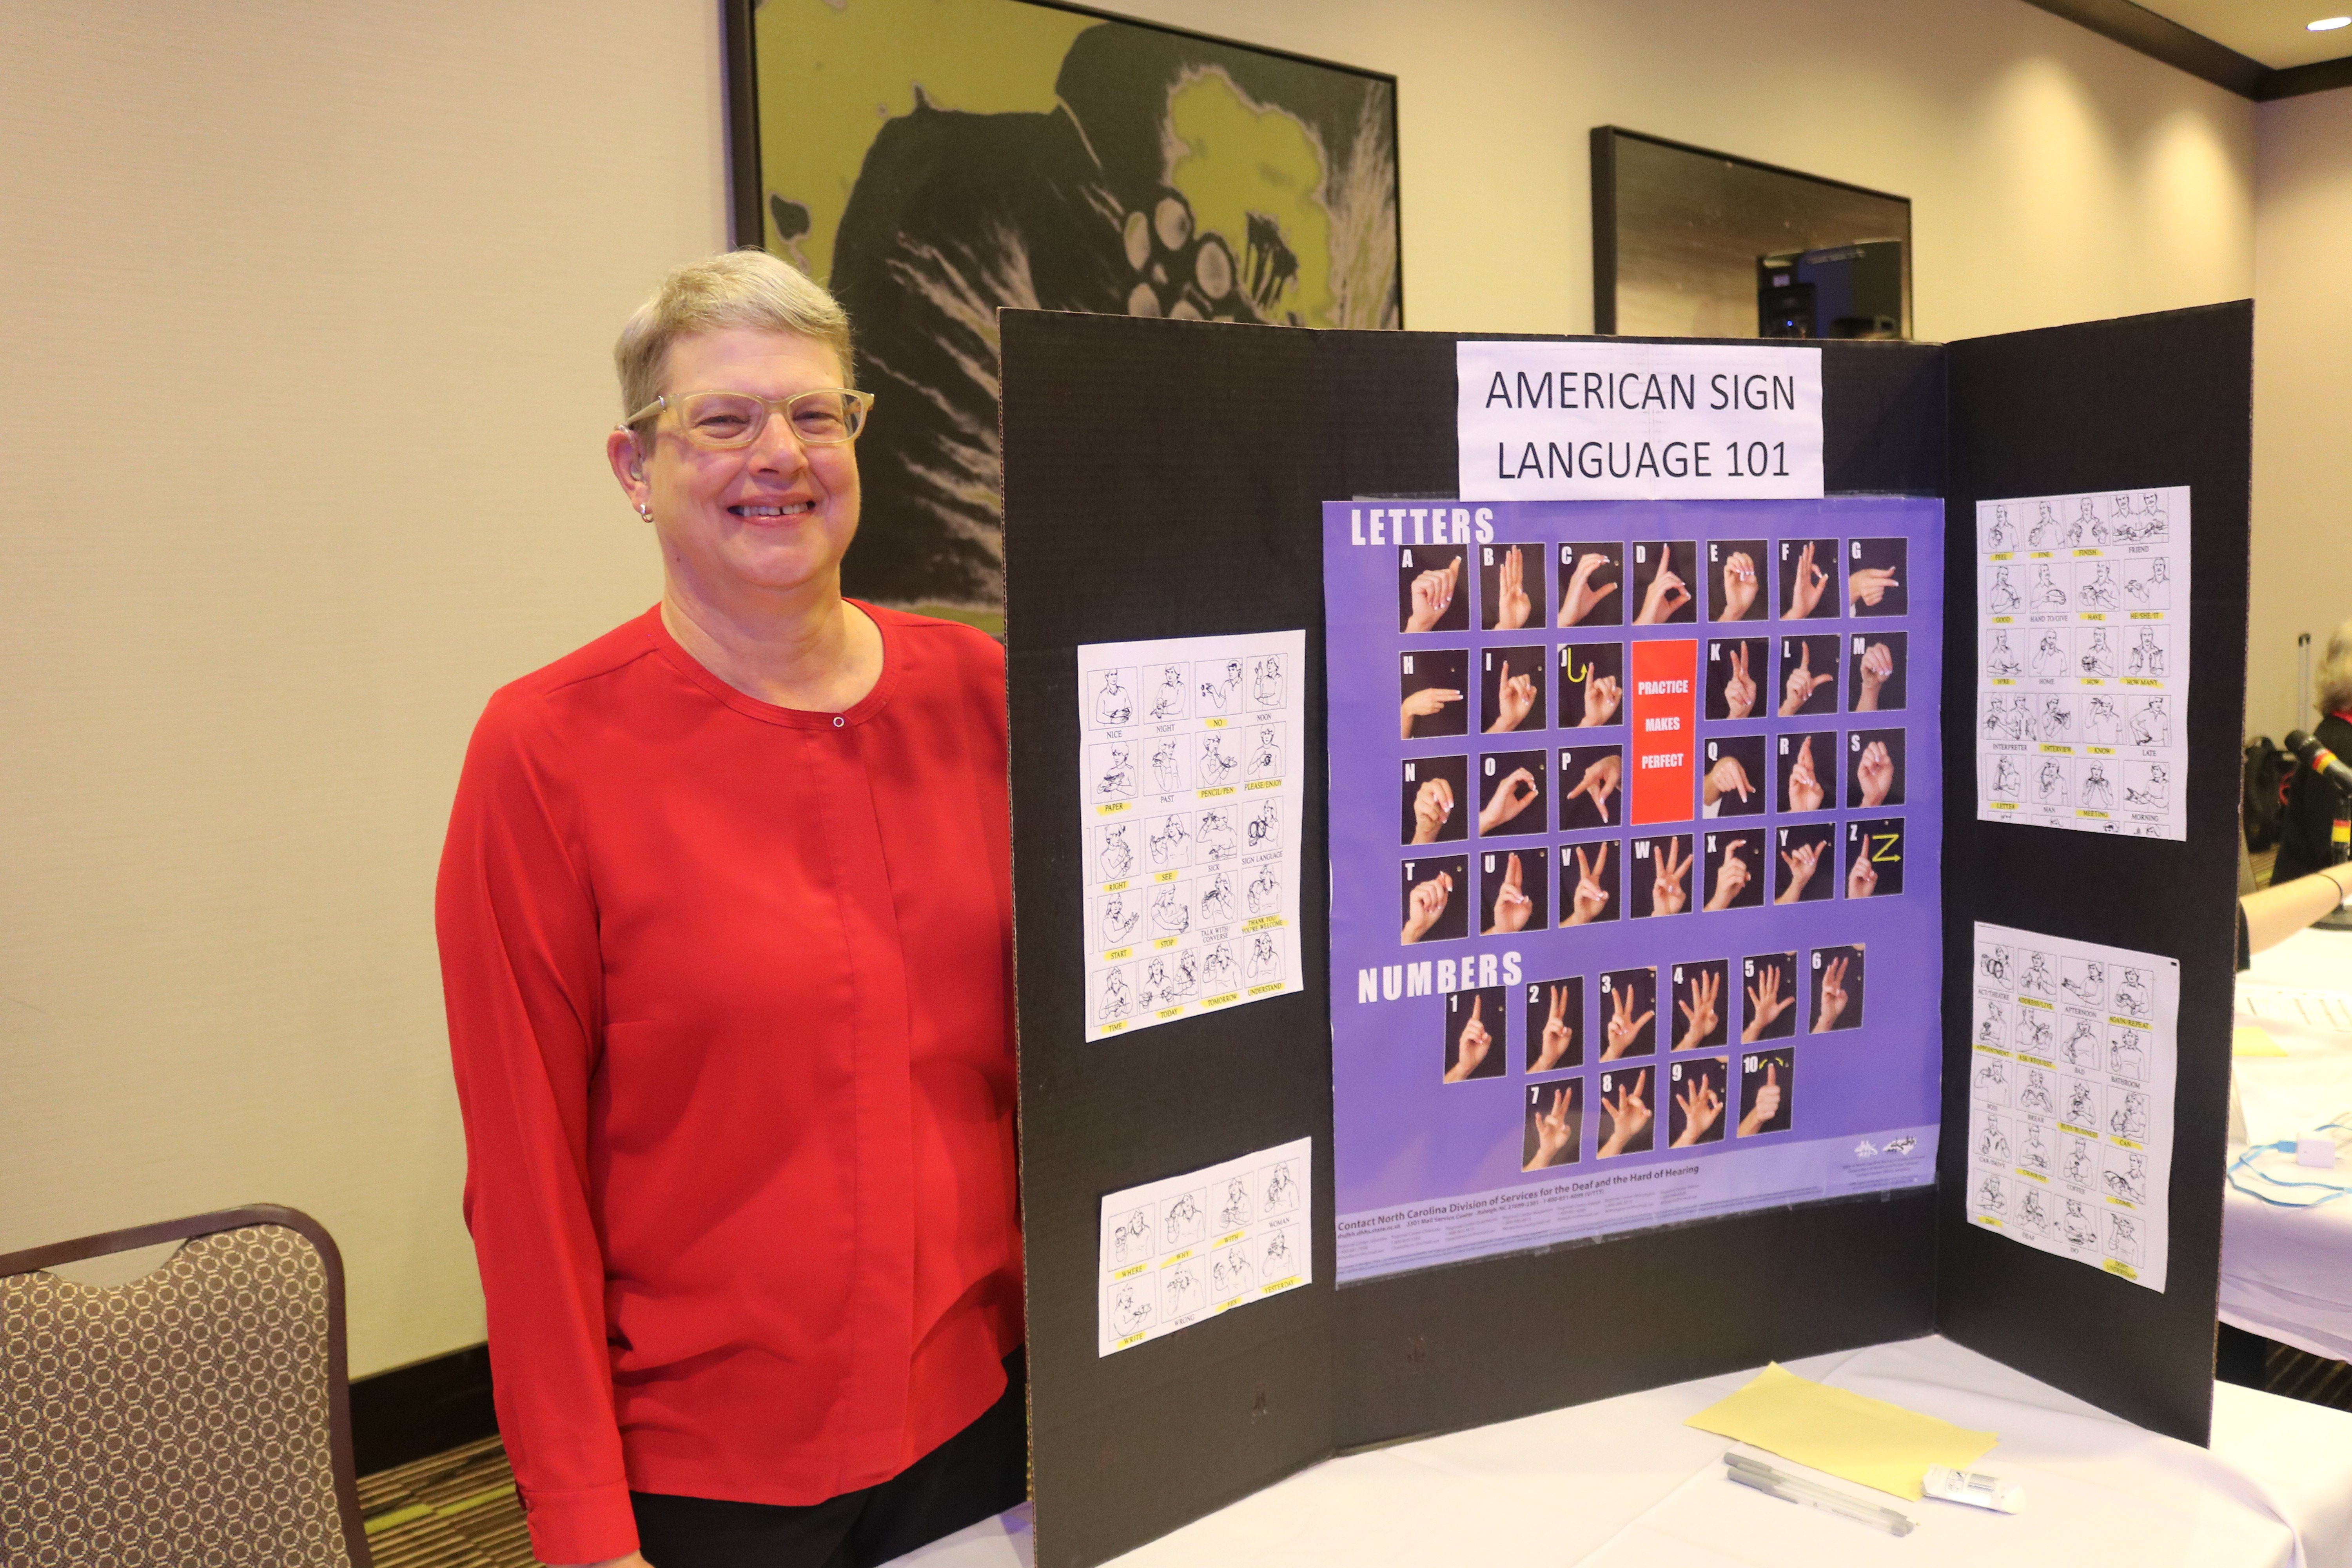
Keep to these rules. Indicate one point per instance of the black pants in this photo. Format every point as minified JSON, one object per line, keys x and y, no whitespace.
{"x":982,"y":1470}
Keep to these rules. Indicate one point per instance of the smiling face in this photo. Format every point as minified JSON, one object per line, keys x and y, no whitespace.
{"x":773,"y":517}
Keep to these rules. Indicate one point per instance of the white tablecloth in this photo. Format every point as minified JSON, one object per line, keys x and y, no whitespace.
{"x":1622,"y":1483}
{"x":2286,"y":1274}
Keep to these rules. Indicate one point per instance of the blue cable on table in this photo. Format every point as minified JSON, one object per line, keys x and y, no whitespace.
{"x":2243,"y":1163}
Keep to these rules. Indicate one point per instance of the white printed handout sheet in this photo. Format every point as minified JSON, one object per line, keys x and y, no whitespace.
{"x":2082,"y":662}
{"x":1190,"y":784}
{"x":2070,"y":1099}
{"x":1188,"y":1247}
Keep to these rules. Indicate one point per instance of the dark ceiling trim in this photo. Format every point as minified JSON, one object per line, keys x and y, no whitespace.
{"x":2162,"y":39}
{"x":2320,"y":75}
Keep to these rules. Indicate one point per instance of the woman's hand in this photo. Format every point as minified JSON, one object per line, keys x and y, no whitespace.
{"x":1768,"y":1102}
{"x":1667,"y":894}
{"x":1432,"y":595}
{"x":1471,"y":1046}
{"x":1555,"y":1128}
{"x":1805,"y":593}
{"x":1666,"y":595}
{"x":1738,"y":586}
{"x":1731,"y":877}
{"x":1515,"y":698}
{"x":1701,"y":1108}
{"x":1577,"y":601}
{"x":1623,"y":1028}
{"x":1512,"y":906}
{"x":1557,"y":1034}
{"x":1728,"y":776}
{"x":1765,"y":1004}
{"x":1598,"y":781}
{"x":1699,"y":1014}
{"x":1874,"y":774}
{"x":1832,"y":996}
{"x":1868,"y":584}
{"x":1739,"y":692}
{"x":1801,"y":865}
{"x":1863,"y":881}
{"x":1805,"y":792}
{"x":1432,"y":805}
{"x":1601,"y":695}
{"x":1421,"y":705}
{"x":1802,"y":681}
{"x":1513,"y":795}
{"x":1628,"y":1116}
{"x":1511,"y":606}
{"x":1425,"y":904}
{"x":1877,"y":668}
{"x":1591,"y":897}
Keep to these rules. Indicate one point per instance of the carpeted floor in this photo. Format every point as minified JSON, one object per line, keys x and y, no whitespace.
{"x":456,"y":1509}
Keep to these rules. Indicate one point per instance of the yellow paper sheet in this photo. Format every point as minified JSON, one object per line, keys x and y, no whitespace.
{"x":1865,"y":1440}
{"x":2253,"y":1040}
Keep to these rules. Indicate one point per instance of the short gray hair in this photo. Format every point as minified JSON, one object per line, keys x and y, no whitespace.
{"x":736,"y":289}
{"x":2333,"y":684}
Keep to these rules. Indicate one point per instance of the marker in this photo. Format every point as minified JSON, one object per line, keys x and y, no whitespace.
{"x":1755,"y":1473}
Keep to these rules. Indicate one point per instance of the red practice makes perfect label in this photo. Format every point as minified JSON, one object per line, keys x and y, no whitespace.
{"x":1665,"y":760}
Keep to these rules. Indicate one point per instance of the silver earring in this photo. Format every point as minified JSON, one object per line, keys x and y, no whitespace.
{"x":645,"y":511}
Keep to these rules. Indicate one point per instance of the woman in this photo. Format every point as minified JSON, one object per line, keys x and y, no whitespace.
{"x":725,"y":916}
{"x":2311,"y":803}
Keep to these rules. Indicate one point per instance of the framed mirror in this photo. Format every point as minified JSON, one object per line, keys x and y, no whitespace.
{"x":1688,"y":242}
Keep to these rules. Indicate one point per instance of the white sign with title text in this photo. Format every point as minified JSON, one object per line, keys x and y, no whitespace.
{"x":1554,"y":421}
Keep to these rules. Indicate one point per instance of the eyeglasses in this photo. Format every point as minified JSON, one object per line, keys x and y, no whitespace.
{"x":824,"y":416}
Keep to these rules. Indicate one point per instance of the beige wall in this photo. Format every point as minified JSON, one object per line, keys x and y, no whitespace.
{"x":2303,"y":398}
{"x":308,"y":310}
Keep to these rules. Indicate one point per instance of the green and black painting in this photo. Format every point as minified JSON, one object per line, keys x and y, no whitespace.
{"x":932,"y":160}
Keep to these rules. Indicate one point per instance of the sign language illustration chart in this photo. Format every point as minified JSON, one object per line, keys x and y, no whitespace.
{"x":1188,"y":788}
{"x":1188,"y":1247}
{"x":2070,"y":1099}
{"x":2082,"y":662}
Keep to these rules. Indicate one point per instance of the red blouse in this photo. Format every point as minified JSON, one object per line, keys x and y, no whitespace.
{"x":730,"y":1003}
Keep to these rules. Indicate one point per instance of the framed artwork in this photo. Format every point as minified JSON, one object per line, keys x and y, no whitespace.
{"x":930,"y":161}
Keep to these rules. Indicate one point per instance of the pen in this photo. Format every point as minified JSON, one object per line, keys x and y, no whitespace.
{"x":1755,"y":1473}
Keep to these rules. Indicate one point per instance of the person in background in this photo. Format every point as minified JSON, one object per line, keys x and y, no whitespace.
{"x":2307,"y":829}
{"x":725,"y":919}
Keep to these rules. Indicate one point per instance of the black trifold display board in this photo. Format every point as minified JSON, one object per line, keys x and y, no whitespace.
{"x":1165,"y":479}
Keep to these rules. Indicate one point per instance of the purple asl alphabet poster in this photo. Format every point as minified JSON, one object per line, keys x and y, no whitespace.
{"x":1636,"y":822}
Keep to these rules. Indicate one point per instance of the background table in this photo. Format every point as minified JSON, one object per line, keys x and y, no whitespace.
{"x":1623,"y":1483}
{"x":2286,"y":1274}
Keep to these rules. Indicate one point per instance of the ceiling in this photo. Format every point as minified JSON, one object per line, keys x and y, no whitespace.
{"x":2270,"y":31}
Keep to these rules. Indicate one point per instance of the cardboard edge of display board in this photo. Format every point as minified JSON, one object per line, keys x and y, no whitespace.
{"x":2138,"y":402}
{"x":1165,"y":479}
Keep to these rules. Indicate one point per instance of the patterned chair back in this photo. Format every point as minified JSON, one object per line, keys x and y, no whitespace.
{"x":197,"y":1417}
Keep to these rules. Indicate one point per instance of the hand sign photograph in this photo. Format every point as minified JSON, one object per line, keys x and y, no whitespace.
{"x":1552,"y":1117}
{"x":1588,"y":873}
{"x":1767,"y":1092}
{"x":1735,"y":574}
{"x":1437,"y":900}
{"x":1591,"y":778}
{"x":1836,"y":989}
{"x":1555,"y":1024}
{"x":1511,"y":688}
{"x":1699,"y":1091}
{"x":1512,"y":792}
{"x":1809,"y":676}
{"x":1625,"y":1113}
{"x":1738,"y":671}
{"x":1591,"y":578}
{"x":1436,"y":796}
{"x":1592,"y":685}
{"x":1510,"y":586}
{"x":1474,"y":1035}
{"x":1628,"y":1012}
{"x":1432,"y":595}
{"x":1665,"y":573}
{"x":1809,"y":579}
